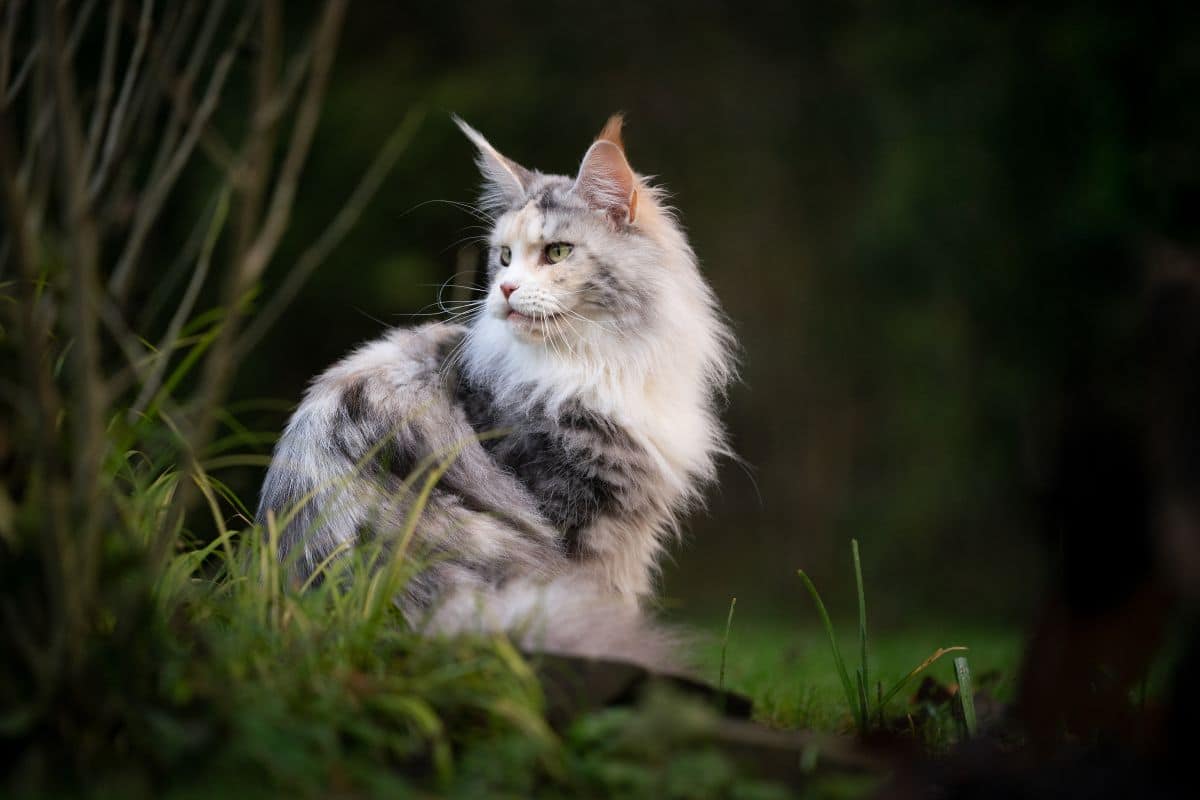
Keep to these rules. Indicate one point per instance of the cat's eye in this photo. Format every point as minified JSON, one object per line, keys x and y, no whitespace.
{"x":557,"y":251}
{"x":505,"y":256}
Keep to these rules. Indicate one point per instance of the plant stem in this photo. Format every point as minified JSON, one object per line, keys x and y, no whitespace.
{"x":847,"y":687}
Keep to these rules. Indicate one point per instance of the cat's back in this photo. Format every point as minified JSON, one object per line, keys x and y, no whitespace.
{"x":401,"y":371}
{"x":364,"y":424}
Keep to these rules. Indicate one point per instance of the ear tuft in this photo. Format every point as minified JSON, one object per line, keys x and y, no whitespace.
{"x":504,"y":180}
{"x":612,"y":130}
{"x":606,"y":181}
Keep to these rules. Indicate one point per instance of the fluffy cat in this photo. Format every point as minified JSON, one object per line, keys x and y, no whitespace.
{"x":574,"y":417}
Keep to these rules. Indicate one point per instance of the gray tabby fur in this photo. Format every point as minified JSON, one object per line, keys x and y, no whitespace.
{"x":577,"y":417}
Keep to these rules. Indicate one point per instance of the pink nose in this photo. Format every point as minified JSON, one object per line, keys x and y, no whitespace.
{"x":507,"y":289}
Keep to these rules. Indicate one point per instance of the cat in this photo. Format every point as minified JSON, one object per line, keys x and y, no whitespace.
{"x":574,"y":416}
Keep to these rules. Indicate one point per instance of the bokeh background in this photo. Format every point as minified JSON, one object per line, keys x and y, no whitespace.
{"x":919,"y":216}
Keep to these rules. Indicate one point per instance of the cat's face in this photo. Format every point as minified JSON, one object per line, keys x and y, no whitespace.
{"x":564,"y":252}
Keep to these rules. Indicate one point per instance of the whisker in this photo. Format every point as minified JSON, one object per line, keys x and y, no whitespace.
{"x":474,"y":211}
{"x":462,"y":241}
{"x":596,"y":323}
{"x":567,"y":321}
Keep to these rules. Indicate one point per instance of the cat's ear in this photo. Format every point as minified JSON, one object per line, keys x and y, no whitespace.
{"x":504,"y":180}
{"x":606,"y":181}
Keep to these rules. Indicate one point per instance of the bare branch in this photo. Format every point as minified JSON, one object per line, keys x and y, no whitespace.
{"x":35,"y":347}
{"x":87,"y":389}
{"x":257,"y":158}
{"x":108,"y":63}
{"x":334,"y":233}
{"x":156,"y":195}
{"x":127,"y":84}
{"x":181,"y":90}
{"x":279,"y":211}
{"x":81,"y":22}
{"x":11,"y":21}
{"x":127,"y":341}
{"x":164,"y":287}
{"x":293,"y":79}
{"x":153,"y":381}
{"x":9,"y":91}
{"x":219,"y":365}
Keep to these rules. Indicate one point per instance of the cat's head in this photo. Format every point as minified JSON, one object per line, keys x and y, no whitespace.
{"x":570,"y":258}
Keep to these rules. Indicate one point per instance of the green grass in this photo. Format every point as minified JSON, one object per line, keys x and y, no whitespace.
{"x":210,"y":672}
{"x":784,"y":664}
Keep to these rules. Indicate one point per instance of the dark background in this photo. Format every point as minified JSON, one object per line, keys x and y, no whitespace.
{"x":924,"y":220}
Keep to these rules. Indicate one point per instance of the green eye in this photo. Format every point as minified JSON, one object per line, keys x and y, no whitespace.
{"x":557,"y":251}
{"x":505,"y":256}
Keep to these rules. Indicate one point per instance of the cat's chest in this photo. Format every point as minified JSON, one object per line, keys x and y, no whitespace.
{"x":579,"y":465}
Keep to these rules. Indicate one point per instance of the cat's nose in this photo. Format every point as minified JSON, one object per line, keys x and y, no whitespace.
{"x":507,"y":289}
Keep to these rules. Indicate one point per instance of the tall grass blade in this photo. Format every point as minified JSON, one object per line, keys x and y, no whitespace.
{"x":725,"y":643}
{"x":864,"y":676}
{"x":847,"y":686}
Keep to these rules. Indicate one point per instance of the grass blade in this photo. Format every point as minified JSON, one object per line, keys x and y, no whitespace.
{"x":725,"y":643}
{"x":900,"y":684}
{"x":966,"y":695}
{"x":847,"y":687}
{"x":864,"y":676}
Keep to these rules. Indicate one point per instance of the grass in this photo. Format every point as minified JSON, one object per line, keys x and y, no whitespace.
{"x":209,"y":671}
{"x":784,"y":664}
{"x":858,"y":693}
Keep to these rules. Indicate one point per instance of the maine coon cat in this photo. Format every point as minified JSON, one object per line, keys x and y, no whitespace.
{"x":574,"y":416}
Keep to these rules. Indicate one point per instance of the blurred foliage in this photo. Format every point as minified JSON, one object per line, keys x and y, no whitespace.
{"x":217,"y":675}
{"x":917,"y":215}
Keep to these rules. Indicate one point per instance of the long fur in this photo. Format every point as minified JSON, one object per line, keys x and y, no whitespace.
{"x":575,"y":416}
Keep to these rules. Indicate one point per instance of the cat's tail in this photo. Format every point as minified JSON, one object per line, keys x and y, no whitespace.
{"x":565,"y":616}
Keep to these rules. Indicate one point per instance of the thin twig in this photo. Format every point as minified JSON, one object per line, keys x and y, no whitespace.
{"x":118,"y":116}
{"x":35,"y":335}
{"x":82,"y":18}
{"x":156,"y":195}
{"x":167,"y":346}
{"x":280,"y":208}
{"x":9,"y":91}
{"x":180,"y":90}
{"x":87,"y":388}
{"x":164,"y":288}
{"x":372,"y":178}
{"x":108,"y":62}
{"x":11,"y":20}
{"x":218,"y":366}
{"x":256,"y":161}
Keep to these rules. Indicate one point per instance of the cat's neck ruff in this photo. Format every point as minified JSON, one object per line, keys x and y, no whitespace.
{"x":609,"y":377}
{"x":657,"y":381}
